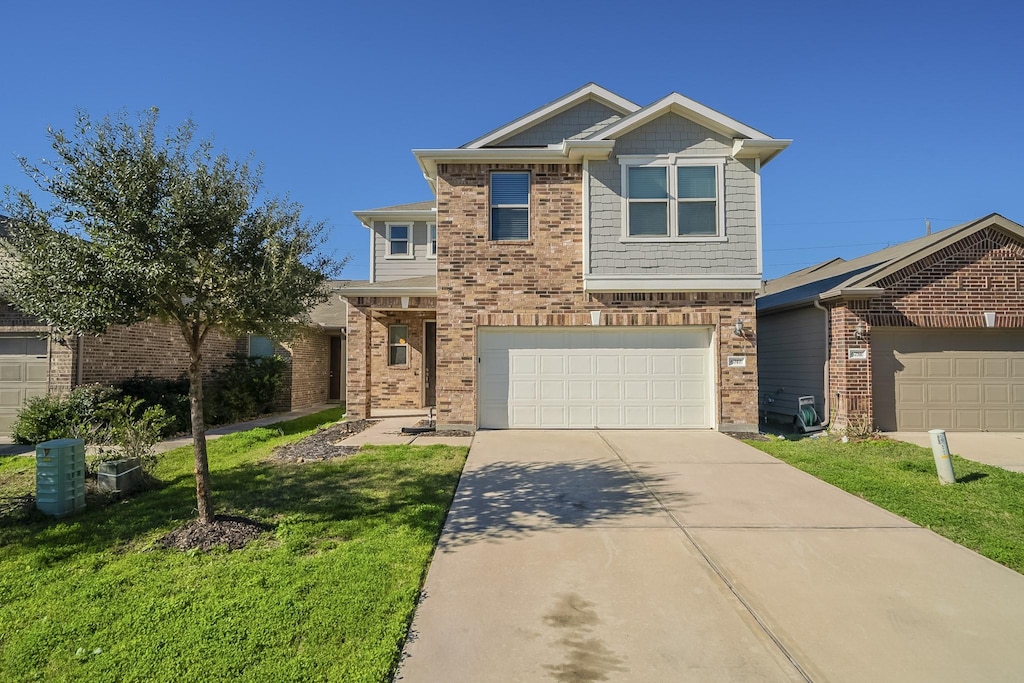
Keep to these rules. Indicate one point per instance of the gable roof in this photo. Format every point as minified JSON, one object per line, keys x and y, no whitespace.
{"x":421,"y":211}
{"x":838,"y":277}
{"x":590,"y":91}
{"x":759,"y":145}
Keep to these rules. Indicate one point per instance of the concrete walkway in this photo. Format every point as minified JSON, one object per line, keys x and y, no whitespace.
{"x":999,"y":449}
{"x":689,"y":556}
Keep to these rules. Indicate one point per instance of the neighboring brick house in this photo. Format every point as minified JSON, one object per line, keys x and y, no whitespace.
{"x":593,"y":263}
{"x":34,"y":364}
{"x":922,"y":335}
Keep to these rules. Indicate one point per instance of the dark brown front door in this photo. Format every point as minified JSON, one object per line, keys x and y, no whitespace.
{"x":430,"y":364}
{"x":334,"y":385}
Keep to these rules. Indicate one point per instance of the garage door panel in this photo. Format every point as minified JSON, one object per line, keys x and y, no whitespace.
{"x":587,"y":377}
{"x":664,"y":390}
{"x":951,"y":379}
{"x":36,"y":372}
{"x":581,"y":365}
{"x":12,"y":371}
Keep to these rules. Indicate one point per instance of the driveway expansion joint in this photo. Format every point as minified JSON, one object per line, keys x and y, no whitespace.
{"x":711,"y":563}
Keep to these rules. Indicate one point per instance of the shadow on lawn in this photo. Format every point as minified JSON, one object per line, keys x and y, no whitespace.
{"x":413,"y":493}
{"x":510,"y":499}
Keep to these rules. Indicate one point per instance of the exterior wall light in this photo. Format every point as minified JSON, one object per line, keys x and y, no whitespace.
{"x":859,"y":332}
{"x":738,"y":329}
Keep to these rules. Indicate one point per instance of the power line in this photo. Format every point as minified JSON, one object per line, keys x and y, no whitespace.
{"x":878,"y":220}
{"x":831,"y":246}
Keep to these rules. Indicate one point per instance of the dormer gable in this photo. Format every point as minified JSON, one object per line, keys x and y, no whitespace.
{"x":581,"y":113}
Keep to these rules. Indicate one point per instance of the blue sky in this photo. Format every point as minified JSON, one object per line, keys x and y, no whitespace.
{"x":899,"y":111}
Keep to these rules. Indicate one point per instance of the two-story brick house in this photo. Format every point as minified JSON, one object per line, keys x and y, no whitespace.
{"x":590,"y":264}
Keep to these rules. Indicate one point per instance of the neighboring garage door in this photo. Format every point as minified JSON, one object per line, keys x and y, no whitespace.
{"x":948,"y":379}
{"x":23,"y":374}
{"x":584,"y":377}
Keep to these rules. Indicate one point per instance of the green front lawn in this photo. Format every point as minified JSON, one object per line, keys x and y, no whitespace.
{"x":984,"y":511}
{"x":326,"y":595}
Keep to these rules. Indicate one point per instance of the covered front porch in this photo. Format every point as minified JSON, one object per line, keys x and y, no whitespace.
{"x":391,"y":347}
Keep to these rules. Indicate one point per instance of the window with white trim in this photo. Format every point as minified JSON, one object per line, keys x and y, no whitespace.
{"x":398,"y":345}
{"x":399,"y":240}
{"x":510,"y":205}
{"x":431,"y":240}
{"x":673,"y":198}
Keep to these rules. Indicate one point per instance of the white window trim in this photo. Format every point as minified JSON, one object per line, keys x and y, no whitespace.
{"x":391,"y":346}
{"x":432,"y":240}
{"x":491,"y":205}
{"x":671,"y":162}
{"x":387,"y":234}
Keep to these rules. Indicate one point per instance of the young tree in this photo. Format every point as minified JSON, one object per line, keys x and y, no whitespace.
{"x":140,"y":227}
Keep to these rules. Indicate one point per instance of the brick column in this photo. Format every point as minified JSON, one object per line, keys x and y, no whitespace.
{"x":737,"y":386}
{"x":851,"y":397}
{"x":358,"y":374}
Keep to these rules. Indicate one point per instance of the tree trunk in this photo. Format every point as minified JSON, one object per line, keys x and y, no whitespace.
{"x":202,"y":469}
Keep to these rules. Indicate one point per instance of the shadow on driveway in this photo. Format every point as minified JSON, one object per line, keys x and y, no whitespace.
{"x":504,"y":500}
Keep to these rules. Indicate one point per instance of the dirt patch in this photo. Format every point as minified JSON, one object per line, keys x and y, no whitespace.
{"x":450,"y":432}
{"x":749,"y":436}
{"x":325,"y":445}
{"x":232,"y":533}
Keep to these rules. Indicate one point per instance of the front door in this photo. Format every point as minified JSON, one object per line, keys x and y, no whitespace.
{"x":336,"y":364}
{"x":429,"y":364}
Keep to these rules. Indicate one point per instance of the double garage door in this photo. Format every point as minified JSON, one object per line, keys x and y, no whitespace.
{"x":585,"y":377}
{"x":23,"y":374}
{"x":948,"y":379}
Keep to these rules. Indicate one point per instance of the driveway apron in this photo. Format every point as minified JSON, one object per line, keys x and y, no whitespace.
{"x":574,"y":556}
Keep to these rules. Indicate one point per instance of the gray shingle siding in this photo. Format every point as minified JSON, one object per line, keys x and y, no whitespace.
{"x":582,"y":120}
{"x":667,"y":134}
{"x":396,"y":268}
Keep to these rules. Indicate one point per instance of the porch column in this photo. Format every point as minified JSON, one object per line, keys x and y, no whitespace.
{"x":358,"y":367}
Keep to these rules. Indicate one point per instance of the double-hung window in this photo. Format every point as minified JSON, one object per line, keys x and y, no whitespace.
{"x":260,"y":347}
{"x":510,"y":205}
{"x":399,"y":240}
{"x":398,"y":345}
{"x":431,"y":240}
{"x":674,"y":198}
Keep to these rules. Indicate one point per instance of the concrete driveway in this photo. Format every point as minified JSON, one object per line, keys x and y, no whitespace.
{"x":999,"y":449}
{"x":689,"y":556}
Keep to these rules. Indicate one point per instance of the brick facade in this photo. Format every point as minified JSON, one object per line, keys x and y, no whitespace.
{"x":539,"y":281}
{"x":149,"y":348}
{"x":950,"y":288}
{"x":305,"y":380}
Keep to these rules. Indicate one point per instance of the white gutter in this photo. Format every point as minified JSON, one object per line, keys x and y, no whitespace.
{"x":386,"y":291}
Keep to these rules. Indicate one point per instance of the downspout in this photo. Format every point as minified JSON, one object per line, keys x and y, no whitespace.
{"x":80,"y":364}
{"x":827,"y":417}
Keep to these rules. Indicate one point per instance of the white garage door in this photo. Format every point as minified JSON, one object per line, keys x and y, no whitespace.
{"x":23,"y":374}
{"x":585,"y":377}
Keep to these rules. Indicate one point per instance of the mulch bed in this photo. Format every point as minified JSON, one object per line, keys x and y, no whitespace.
{"x":228,"y":532}
{"x":325,"y":444}
{"x":448,"y":432}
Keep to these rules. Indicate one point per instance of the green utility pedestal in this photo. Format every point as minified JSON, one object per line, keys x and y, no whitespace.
{"x":60,"y":476}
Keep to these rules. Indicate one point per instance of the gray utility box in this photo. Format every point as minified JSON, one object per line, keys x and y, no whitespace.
{"x":60,"y":476}
{"x":119,"y":476}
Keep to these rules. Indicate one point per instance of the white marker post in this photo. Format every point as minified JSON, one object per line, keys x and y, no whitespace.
{"x":940,"y":450}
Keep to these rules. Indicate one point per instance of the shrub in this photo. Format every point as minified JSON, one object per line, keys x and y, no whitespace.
{"x":169,"y":394}
{"x":133,"y":429}
{"x":245,"y":388}
{"x":41,"y":418}
{"x":59,"y":417}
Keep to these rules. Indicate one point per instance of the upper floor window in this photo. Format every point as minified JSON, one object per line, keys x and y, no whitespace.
{"x":431,"y":240}
{"x":510,"y":206}
{"x":674,"y":198}
{"x":399,"y":240}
